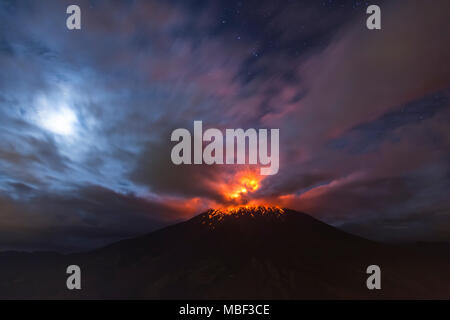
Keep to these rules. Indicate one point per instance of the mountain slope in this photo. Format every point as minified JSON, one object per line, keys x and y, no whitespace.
{"x":247,"y":255}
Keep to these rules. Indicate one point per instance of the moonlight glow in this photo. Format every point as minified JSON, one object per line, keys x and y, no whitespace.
{"x":56,"y":117}
{"x":61,"y":121}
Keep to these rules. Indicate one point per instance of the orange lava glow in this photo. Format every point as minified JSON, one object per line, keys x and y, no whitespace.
{"x":215,"y":216}
{"x":245,"y":183}
{"x":246,"y":210}
{"x":240,"y":199}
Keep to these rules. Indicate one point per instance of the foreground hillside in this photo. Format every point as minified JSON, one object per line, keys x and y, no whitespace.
{"x":247,"y":255}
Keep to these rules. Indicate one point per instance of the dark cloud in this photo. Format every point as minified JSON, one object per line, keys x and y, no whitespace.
{"x":83,"y":218}
{"x":156,"y":170}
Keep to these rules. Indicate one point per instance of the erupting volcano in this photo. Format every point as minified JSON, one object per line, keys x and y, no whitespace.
{"x":242,"y":253}
{"x":245,"y":248}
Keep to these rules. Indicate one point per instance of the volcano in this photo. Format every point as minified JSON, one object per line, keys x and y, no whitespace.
{"x":246,"y":253}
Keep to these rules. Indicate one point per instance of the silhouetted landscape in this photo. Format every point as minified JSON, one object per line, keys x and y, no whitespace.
{"x":246,"y":255}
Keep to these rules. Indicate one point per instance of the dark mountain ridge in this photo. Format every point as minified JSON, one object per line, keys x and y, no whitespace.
{"x":251,"y":254}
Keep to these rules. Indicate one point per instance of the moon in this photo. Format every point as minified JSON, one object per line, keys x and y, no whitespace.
{"x":56,"y":116}
{"x":60,"y":121}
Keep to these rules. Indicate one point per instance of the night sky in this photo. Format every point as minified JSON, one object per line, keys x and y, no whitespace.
{"x":86,"y":115}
